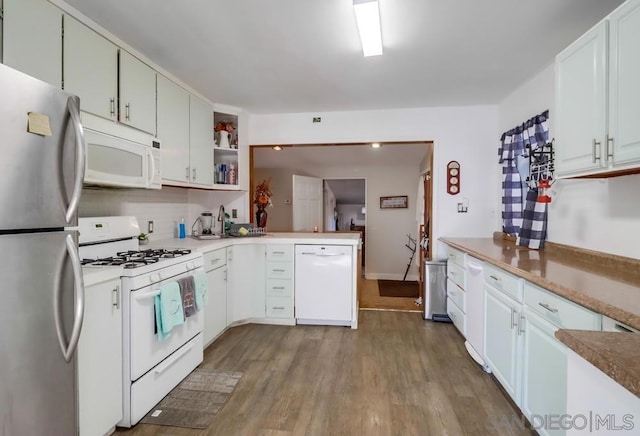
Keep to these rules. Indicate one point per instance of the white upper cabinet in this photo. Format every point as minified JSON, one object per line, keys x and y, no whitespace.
{"x":90,"y":69}
{"x":32,"y":40}
{"x":200,"y":142}
{"x":581,"y":102}
{"x":173,"y":130}
{"x":598,"y":98}
{"x":624,"y":83}
{"x":137,"y":93}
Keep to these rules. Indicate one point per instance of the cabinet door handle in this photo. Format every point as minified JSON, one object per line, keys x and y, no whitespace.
{"x":521,"y":320}
{"x":112,"y":107}
{"x":595,"y":145}
{"x":127,"y":112}
{"x":549,"y":308}
{"x":194,"y":173}
{"x":186,"y":176}
{"x":609,"y":149}
{"x":513,"y":323}
{"x":116,"y":297}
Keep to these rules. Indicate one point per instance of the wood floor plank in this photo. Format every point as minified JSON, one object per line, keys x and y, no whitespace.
{"x":396,"y":375}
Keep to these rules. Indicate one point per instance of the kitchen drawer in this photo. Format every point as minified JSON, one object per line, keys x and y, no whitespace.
{"x":455,"y":293}
{"x":280,"y":252}
{"x":215,"y":259}
{"x":503,"y":281}
{"x":560,"y":311}
{"x":457,"y":316}
{"x":456,"y":273}
{"x":279,"y":270}
{"x":456,"y":256}
{"x":279,"y":307}
{"x":279,"y":287}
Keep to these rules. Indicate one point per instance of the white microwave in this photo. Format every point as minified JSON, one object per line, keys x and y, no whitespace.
{"x":125,"y":162}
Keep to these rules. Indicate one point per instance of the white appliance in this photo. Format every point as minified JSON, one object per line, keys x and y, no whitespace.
{"x":323,"y":284}
{"x":474,"y":281}
{"x":42,"y":305}
{"x":124,"y":157}
{"x":151,"y":367}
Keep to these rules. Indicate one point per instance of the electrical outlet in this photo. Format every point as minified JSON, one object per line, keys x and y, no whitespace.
{"x":317,"y":119}
{"x":234,"y":213}
{"x":150,"y":227}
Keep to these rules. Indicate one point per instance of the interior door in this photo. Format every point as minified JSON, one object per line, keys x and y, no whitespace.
{"x":307,"y":203}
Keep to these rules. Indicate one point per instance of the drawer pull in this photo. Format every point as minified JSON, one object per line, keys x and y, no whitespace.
{"x":497,"y":279}
{"x":278,"y":307}
{"x":173,"y":359}
{"x":277,"y":270}
{"x":452,"y":273}
{"x":278,"y":287}
{"x":215,"y":260}
{"x":549,"y":308}
{"x":277,"y":252}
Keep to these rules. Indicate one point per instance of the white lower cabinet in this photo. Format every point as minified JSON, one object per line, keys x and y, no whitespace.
{"x":100,"y":360}
{"x":279,"y":279}
{"x":215,"y":311}
{"x":522,"y":350}
{"x":246,"y":282}
{"x":544,"y":384}
{"x":502,"y":340}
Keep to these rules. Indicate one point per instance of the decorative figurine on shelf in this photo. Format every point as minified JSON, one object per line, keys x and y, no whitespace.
{"x":224,"y":130}
{"x":262,"y":200}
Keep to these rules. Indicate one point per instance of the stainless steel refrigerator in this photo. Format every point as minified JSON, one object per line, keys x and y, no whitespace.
{"x":42,"y":157}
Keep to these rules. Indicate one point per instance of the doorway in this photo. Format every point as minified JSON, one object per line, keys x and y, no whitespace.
{"x":393,"y":170}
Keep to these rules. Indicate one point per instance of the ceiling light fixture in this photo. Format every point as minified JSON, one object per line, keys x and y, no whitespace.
{"x":277,"y":148}
{"x":375,"y":145}
{"x":368,"y":19}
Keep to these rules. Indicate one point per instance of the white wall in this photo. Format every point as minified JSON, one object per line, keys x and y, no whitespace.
{"x":279,"y":217}
{"x":467,"y":134}
{"x":601,"y":215}
{"x":165,"y":207}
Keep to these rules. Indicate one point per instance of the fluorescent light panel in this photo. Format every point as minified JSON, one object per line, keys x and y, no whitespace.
{"x":368,"y":19}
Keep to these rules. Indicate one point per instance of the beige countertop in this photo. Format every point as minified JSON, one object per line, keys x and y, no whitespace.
{"x":614,"y":353}
{"x":604,"y":283}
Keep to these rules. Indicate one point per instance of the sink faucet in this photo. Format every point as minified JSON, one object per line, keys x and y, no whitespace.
{"x":221,"y":219}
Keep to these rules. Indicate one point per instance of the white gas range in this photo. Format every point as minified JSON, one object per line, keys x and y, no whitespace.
{"x":151,"y":367}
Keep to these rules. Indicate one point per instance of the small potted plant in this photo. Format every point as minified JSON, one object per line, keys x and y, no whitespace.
{"x":143,"y":239}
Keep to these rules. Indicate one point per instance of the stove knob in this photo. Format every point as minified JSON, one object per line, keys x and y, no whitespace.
{"x":189,"y":266}
{"x":160,"y":275}
{"x":154,"y":278}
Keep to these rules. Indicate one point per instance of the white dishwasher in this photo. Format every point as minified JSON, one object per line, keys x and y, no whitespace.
{"x":323,"y":284}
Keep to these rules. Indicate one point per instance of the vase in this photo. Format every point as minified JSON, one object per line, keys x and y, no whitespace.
{"x":223,"y":139}
{"x":261,"y":218}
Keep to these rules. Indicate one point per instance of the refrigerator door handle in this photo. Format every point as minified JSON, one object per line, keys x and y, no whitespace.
{"x":68,"y":350}
{"x":81,"y":156}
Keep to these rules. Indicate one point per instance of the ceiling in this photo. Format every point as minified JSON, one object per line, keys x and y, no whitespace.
{"x":305,"y":56}
{"x":340,"y":156}
{"x":348,"y":191}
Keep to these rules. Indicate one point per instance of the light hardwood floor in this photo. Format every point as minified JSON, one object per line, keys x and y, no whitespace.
{"x":370,"y":299}
{"x":396,"y":375}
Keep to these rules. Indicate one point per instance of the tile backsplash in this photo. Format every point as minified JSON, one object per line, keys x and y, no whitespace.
{"x":164,"y":207}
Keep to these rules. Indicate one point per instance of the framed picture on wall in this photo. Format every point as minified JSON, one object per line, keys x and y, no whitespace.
{"x":394,"y":202}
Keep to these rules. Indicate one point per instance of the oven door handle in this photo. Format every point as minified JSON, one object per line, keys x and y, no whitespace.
{"x":148,"y":295}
